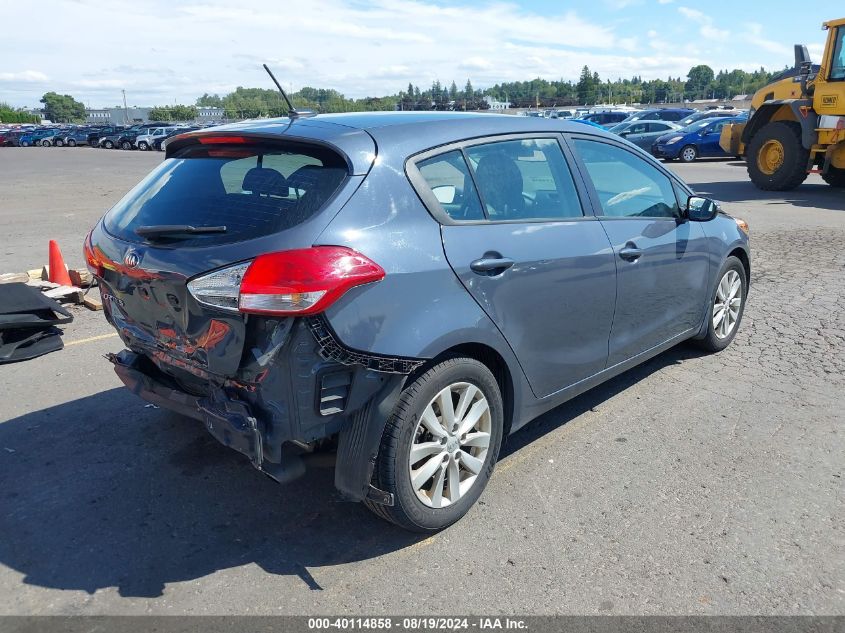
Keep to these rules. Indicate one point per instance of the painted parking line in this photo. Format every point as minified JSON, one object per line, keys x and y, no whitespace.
{"x":90,"y":339}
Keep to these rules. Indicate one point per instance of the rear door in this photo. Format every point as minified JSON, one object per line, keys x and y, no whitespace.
{"x":662,"y":261}
{"x":516,"y":236}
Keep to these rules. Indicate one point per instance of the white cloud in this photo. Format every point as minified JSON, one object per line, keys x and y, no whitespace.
{"x":754,"y":35}
{"x":25,"y":76}
{"x":706,"y":26}
{"x":665,"y":1}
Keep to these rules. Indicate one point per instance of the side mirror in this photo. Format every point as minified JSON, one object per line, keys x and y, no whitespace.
{"x":445,"y":194}
{"x":624,"y":133}
{"x":701,"y":209}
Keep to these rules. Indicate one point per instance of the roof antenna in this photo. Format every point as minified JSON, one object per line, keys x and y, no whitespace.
{"x":292,"y":113}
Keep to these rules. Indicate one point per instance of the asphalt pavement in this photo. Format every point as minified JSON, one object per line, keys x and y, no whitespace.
{"x":693,"y":484}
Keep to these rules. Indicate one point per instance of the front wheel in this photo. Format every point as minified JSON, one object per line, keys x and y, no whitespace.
{"x":688,"y":154}
{"x":727,"y":305}
{"x":126,"y":145}
{"x":108,"y":145}
{"x":440,"y":445}
{"x":46,"y":143}
{"x":60,"y":143}
{"x":71,"y":143}
{"x":143,"y":146}
{"x":24,"y":143}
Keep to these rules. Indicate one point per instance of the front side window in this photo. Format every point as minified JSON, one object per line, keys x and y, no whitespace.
{"x":525,"y":179}
{"x":627,"y":186}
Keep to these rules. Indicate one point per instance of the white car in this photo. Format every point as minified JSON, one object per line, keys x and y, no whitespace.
{"x":145,"y":141}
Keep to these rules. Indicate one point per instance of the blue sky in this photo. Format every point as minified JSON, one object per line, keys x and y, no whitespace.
{"x":171,"y":52}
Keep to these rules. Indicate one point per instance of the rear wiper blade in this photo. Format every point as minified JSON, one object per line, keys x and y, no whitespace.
{"x":176,"y":230}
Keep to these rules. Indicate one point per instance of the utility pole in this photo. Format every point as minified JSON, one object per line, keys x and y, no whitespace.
{"x":125,"y":109}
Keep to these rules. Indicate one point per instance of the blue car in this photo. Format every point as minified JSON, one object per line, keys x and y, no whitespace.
{"x":406,"y":289}
{"x":699,"y":140}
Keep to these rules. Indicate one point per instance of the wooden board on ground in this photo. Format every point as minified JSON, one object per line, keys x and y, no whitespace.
{"x":66,"y":294}
{"x":8,"y":278}
{"x":92,"y":302}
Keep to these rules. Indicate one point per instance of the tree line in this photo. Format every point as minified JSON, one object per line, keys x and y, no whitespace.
{"x":701,"y":82}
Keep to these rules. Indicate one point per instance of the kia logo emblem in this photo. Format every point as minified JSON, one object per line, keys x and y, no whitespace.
{"x":132,"y":259}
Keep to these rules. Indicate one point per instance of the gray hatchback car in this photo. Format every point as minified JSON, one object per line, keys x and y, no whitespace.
{"x":405,"y":289}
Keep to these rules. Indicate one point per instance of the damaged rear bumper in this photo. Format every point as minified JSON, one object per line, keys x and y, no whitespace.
{"x":303,"y":395}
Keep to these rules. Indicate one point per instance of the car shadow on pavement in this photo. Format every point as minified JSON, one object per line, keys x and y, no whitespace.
{"x":592,"y":399}
{"x":821,"y":196}
{"x":107,"y":492}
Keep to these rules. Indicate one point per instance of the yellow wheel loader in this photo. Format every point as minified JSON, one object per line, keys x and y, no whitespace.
{"x":797,"y":122}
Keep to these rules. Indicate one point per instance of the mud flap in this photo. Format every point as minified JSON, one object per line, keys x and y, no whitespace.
{"x":358,"y":445}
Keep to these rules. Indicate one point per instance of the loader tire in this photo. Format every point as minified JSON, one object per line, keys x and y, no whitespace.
{"x":776,"y":159}
{"x":834,"y":177}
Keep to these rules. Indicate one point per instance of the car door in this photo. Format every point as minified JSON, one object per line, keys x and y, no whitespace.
{"x":709,"y":144}
{"x":515,"y":234}
{"x":661,"y":260}
{"x":656,"y":129}
{"x":636,"y":132}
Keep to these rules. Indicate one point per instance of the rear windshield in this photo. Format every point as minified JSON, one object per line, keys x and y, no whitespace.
{"x":251,"y":190}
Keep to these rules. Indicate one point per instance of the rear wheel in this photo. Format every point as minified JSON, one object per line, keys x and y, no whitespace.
{"x":108,"y":144}
{"x":46,"y":142}
{"x":143,"y":146}
{"x":726,"y":306}
{"x":71,"y":143}
{"x":834,"y":177}
{"x":24,"y":143}
{"x":60,"y":142}
{"x":688,"y":154}
{"x":439,"y":446}
{"x":776,"y":159}
{"x":126,"y":145}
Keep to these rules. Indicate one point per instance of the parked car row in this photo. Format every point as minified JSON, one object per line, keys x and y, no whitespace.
{"x":143,"y":136}
{"x":670,"y":133}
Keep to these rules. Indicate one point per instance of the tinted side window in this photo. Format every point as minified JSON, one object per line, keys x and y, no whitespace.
{"x":627,"y":185}
{"x":524,"y":180}
{"x":448,"y":177}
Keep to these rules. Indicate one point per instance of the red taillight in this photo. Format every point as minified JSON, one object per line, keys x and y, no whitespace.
{"x":304,"y":281}
{"x":91,"y":259}
{"x":297,"y":282}
{"x":221,"y":140}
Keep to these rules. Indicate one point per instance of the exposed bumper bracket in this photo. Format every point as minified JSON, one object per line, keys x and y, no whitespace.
{"x":379,"y":496}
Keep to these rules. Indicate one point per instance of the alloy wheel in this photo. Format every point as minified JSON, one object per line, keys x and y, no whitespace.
{"x":727,"y":304}
{"x":450,"y":444}
{"x":688,"y":154}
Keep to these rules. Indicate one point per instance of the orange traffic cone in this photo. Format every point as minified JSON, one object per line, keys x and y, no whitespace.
{"x":58,"y":270}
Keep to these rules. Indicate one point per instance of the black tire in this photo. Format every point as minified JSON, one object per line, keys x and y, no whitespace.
{"x":108,"y":144}
{"x":391,"y":469}
{"x":60,"y":142}
{"x":24,"y":143}
{"x":711,"y":342}
{"x":143,"y":146}
{"x":834,"y":177}
{"x":71,"y":142}
{"x":126,"y":145}
{"x":793,"y":170}
{"x":686,"y":156}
